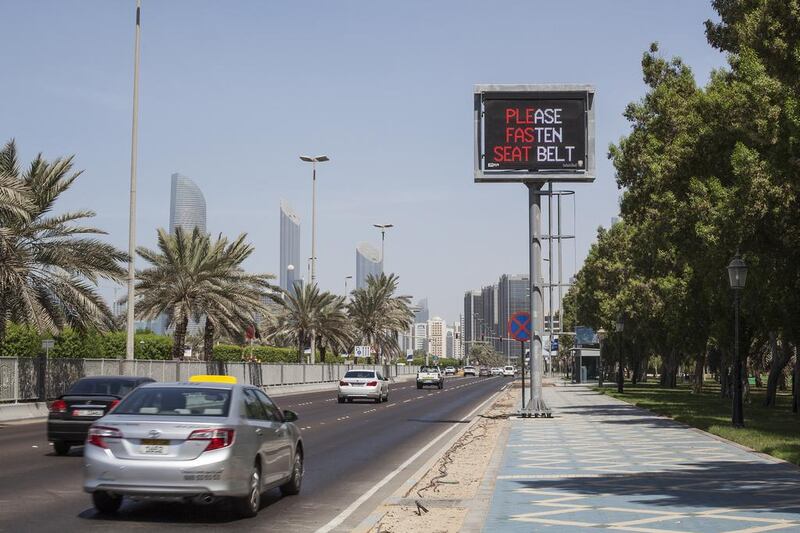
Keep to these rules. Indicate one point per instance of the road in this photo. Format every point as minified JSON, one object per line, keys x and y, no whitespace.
{"x":349,"y":449}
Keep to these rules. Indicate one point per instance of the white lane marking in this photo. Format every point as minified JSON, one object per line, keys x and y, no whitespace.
{"x":341,"y":517}
{"x":392,"y":404}
{"x":406,"y":401}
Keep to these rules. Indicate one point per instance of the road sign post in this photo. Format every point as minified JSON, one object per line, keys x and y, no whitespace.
{"x":519,"y":327}
{"x":536,"y":135}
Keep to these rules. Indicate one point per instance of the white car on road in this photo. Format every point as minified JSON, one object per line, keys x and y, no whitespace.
{"x":508,"y":371}
{"x":363,"y":384}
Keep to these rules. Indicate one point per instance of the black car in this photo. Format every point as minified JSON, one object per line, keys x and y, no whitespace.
{"x":86,"y":400}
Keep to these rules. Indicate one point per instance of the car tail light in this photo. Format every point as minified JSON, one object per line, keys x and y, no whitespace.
{"x":58,"y":406}
{"x":112,"y":405}
{"x":98,"y":434}
{"x":372,"y":383}
{"x":217,"y":438}
{"x":343,"y":383}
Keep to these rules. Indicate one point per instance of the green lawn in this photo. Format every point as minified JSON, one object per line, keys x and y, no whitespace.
{"x":775,"y":431}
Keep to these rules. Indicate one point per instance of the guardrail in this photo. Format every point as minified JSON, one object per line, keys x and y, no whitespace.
{"x":28,"y":379}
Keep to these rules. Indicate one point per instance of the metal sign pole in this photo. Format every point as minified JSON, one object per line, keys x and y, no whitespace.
{"x":536,"y":407}
{"x":522,"y":351}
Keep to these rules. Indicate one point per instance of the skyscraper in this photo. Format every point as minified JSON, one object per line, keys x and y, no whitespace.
{"x":187,"y":205}
{"x":368,"y":263}
{"x":491,"y":329}
{"x":187,"y":210}
{"x":421,"y":314}
{"x":513,"y":295}
{"x":290,"y":247}
{"x":437,"y":337}
{"x":473,"y":318}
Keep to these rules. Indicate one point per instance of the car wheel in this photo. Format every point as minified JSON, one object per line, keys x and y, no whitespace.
{"x":61,"y":447}
{"x":292,"y":487}
{"x":441,"y":384}
{"x":386,"y":398}
{"x":349,"y":400}
{"x":341,"y":400}
{"x":105,"y":502}
{"x":419,"y":386}
{"x":248,"y":506}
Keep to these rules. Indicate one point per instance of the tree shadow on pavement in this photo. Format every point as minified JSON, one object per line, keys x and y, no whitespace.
{"x":761,"y":488}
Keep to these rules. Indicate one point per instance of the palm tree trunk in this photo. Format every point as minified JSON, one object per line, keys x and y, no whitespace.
{"x":208,"y":340}
{"x":300,"y":339}
{"x":179,"y":338}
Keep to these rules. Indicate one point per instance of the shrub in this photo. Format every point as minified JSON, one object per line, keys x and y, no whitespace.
{"x":21,"y":341}
{"x":71,"y":344}
{"x":227,"y":352}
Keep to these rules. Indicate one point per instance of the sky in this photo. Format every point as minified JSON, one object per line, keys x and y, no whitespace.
{"x":231,"y":93}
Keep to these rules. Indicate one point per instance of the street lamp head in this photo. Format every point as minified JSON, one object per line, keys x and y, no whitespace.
{"x":383,"y":226}
{"x":348,"y":277}
{"x":737,"y":272}
{"x":290,"y":267}
{"x":620,"y":323}
{"x":314,"y":159}
{"x":601,"y":333}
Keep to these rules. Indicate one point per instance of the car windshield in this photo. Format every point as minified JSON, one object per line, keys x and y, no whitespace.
{"x":111,"y":387}
{"x":429,"y":369}
{"x":177,"y":401}
{"x":360,"y":374}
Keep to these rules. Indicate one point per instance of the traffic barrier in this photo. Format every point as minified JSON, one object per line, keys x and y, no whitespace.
{"x":38,"y":378}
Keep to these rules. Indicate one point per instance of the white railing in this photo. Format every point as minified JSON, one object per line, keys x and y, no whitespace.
{"x":27,"y":379}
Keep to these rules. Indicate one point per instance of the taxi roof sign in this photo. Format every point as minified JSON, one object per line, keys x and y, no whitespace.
{"x":209,"y":378}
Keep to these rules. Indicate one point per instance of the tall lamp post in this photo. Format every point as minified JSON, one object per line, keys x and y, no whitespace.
{"x":383,"y":228}
{"x":620,"y":372}
{"x":314,"y":160}
{"x":737,"y":275}
{"x":289,"y":277}
{"x":601,"y":334}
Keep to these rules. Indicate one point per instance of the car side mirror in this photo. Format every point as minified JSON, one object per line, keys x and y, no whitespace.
{"x":289,"y":416}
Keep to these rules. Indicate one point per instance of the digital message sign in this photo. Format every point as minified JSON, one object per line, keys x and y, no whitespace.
{"x":534,"y":133}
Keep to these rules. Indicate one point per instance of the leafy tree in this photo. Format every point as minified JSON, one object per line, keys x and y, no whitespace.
{"x":49,"y":264}
{"x":21,"y":341}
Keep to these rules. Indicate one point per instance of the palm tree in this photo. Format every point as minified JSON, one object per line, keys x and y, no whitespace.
{"x":50,"y":265}
{"x":378,"y":315}
{"x":306,"y":309}
{"x":333,"y":328}
{"x":192,"y":275}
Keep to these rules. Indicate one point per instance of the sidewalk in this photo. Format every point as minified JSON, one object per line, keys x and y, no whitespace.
{"x":601,"y":463}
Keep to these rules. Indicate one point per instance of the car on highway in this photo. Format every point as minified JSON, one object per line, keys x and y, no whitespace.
{"x":200,"y":441}
{"x":484,"y":371}
{"x":88,"y":399}
{"x":430,"y":375}
{"x":508,"y":371}
{"x":470,"y":371}
{"x":363,"y":384}
{"x":449,"y":371}
{"x":496,"y":371}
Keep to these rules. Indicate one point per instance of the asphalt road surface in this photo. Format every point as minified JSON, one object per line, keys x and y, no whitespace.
{"x":349,"y":449}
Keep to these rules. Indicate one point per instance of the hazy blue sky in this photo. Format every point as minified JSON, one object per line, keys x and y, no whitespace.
{"x":232,"y":92}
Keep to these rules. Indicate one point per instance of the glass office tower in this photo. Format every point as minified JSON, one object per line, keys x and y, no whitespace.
{"x":368,"y":263}
{"x":187,"y":205}
{"x":290,"y":247}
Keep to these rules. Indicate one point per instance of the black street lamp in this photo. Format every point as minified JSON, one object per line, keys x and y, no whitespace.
{"x":737,"y":275}
{"x":601,"y":336}
{"x":620,"y":372}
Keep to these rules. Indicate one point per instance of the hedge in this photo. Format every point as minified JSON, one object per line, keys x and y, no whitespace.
{"x":21,"y":341}
{"x":262,"y":354}
{"x":71,"y":344}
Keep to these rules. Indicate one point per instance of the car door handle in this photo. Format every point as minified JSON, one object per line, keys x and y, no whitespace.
{"x":259,"y":432}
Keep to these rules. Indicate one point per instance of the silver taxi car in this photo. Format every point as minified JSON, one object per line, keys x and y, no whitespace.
{"x":199,"y":441}
{"x":363,"y":384}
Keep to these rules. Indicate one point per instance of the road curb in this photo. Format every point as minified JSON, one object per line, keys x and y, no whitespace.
{"x":23,"y":411}
{"x":401,"y":493}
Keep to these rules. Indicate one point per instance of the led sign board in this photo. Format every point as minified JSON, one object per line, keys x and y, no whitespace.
{"x":533,"y":133}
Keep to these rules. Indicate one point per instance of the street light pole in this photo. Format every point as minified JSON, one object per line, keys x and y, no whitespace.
{"x":314,"y":160}
{"x":601,"y":334}
{"x":383,"y":228}
{"x":345,"y":285}
{"x":737,"y":275}
{"x":620,"y":372}
{"x":131,"y":326}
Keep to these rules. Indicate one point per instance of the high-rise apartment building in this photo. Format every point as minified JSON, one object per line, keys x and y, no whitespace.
{"x":421,"y":336}
{"x":187,"y":205}
{"x":513,"y":295}
{"x":490,"y":329}
{"x":290,"y":266}
{"x":421,"y":312}
{"x":450,"y":343}
{"x":437,"y":337}
{"x":368,"y":263}
{"x":473,"y":317}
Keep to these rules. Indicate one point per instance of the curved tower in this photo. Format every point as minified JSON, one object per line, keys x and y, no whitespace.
{"x":368,"y":262}
{"x":187,"y":205}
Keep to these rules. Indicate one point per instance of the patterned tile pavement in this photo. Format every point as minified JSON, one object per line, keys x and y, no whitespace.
{"x":602,"y":464}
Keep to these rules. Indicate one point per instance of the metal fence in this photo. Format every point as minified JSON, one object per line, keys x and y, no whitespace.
{"x":27,"y":379}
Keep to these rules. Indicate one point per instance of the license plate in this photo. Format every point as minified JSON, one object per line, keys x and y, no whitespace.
{"x":154,"y":447}
{"x":87,"y":412}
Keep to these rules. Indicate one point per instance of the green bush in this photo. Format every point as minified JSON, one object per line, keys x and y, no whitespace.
{"x":71,"y":344}
{"x":227,"y":352}
{"x":151,"y":346}
{"x":21,"y":341}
